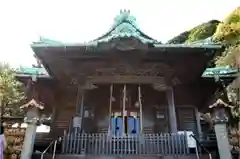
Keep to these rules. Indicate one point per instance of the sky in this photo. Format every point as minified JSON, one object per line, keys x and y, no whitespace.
{"x":22,"y":22}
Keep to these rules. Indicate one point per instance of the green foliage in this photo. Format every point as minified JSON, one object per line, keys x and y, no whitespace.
{"x":234,"y":17}
{"x":202,"y":31}
{"x":199,"y":32}
{"x":228,"y":32}
{"x":11,"y":92}
{"x":230,"y":57}
{"x":180,"y":38}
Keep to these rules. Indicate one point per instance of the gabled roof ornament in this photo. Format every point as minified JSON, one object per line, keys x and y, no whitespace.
{"x":222,"y":103}
{"x":125,"y":16}
{"x":33,"y":103}
{"x":125,"y":27}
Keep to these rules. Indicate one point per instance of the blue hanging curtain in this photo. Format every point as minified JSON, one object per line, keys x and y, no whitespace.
{"x":137,"y":121}
{"x":133,"y":125}
{"x":116,"y":128}
{"x":119,"y":128}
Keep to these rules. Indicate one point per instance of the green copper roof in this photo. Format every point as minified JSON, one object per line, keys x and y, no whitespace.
{"x":43,"y":40}
{"x":31,"y":71}
{"x":219,"y":71}
{"x":125,"y":26}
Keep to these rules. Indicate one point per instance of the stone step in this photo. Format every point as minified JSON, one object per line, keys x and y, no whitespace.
{"x":61,"y":156}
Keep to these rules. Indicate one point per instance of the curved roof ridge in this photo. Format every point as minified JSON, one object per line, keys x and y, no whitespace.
{"x":125,"y":25}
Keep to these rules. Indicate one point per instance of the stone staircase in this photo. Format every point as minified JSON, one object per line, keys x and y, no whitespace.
{"x":61,"y":156}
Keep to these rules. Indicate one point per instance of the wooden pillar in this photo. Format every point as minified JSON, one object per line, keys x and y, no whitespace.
{"x":30,"y":134}
{"x":78,"y":118}
{"x":171,"y":110}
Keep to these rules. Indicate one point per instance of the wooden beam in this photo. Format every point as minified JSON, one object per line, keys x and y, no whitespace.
{"x":117,"y":79}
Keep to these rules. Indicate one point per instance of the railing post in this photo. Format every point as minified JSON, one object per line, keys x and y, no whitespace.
{"x":196,"y":149}
{"x":54,"y":149}
{"x":186,"y":142}
{"x":143,"y":144}
{"x":63,"y":142}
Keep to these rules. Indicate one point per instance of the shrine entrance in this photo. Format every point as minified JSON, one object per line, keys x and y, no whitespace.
{"x":125,"y":110}
{"x":131,"y":123}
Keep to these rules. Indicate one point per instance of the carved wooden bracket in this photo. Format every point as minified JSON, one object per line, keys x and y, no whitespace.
{"x":121,"y":72}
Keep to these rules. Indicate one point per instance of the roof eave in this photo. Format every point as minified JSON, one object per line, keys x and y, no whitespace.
{"x":30,"y":75}
{"x":95,"y":44}
{"x":206,"y":46}
{"x":33,"y":46}
{"x":221,"y":76}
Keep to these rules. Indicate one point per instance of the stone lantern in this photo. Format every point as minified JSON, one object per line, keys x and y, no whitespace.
{"x":32,"y":119}
{"x":220,"y":112}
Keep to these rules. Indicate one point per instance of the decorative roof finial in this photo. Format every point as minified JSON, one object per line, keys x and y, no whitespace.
{"x":125,"y":11}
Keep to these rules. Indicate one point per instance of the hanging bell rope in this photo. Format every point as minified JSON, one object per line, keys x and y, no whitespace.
{"x":140,"y":108}
{"x":123,"y":109}
{"x":110,"y":108}
{"x":77,"y":100}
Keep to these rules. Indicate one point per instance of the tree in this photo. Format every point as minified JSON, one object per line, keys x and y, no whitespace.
{"x":199,"y":32}
{"x":228,"y":33}
{"x":11,"y":92}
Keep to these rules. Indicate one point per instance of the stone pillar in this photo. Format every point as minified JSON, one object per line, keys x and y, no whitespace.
{"x":29,"y":139}
{"x":171,"y":110}
{"x":199,"y":127}
{"x":220,"y":119}
{"x":222,"y":141}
